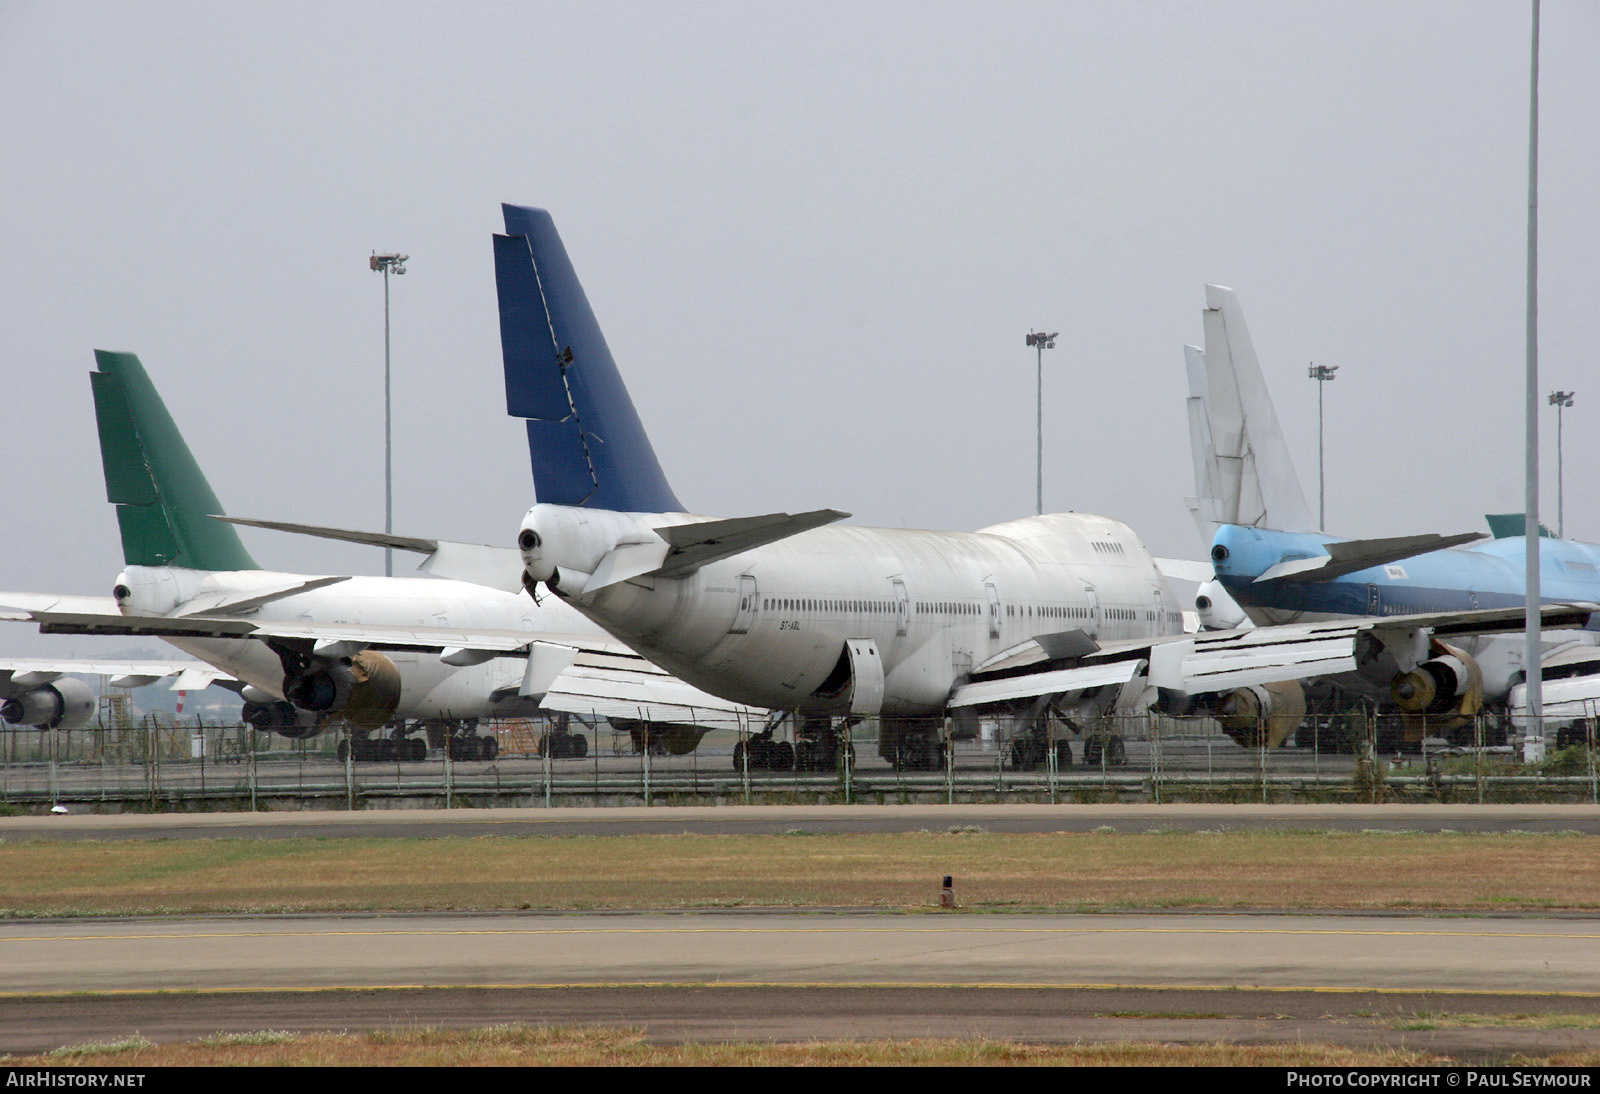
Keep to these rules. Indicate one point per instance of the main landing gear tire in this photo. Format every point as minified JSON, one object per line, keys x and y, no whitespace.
{"x":764,"y":754}
{"x":1111,"y":750}
{"x":564,"y":746}
{"x":474,"y":748}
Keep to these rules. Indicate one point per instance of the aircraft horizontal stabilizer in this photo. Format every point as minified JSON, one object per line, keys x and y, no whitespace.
{"x":370,"y":539}
{"x":1186,"y":569}
{"x":687,"y":547}
{"x":696,"y":545}
{"x":1348,"y":556}
{"x":240,"y":600}
{"x":479,"y":563}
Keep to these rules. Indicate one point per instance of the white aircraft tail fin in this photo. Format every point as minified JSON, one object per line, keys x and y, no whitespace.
{"x":1243,"y":473}
{"x":1205,"y":505}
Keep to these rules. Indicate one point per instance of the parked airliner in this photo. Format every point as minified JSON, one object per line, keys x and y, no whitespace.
{"x":1271,"y":560}
{"x":1064,"y":613}
{"x":317,"y":651}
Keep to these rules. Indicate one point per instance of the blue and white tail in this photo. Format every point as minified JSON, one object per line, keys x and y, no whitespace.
{"x":585,"y":439}
{"x":1243,"y":473}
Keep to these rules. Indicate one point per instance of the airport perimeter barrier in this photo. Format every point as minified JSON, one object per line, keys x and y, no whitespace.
{"x":190,"y":765}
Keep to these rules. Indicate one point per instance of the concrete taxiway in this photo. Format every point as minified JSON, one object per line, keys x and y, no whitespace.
{"x":1352,"y":980}
{"x":1523,"y":954}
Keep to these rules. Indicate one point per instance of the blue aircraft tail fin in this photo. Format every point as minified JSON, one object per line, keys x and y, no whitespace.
{"x":585,"y":439}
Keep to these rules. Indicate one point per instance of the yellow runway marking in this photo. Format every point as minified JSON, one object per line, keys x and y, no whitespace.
{"x":841,"y":985}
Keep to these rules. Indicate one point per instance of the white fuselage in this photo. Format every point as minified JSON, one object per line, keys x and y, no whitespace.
{"x":767,"y":627}
{"x":430,"y":688}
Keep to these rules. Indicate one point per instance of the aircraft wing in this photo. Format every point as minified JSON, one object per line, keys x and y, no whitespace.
{"x":1223,"y":660}
{"x":628,"y":686}
{"x":489,"y":641}
{"x":19,"y":607}
{"x":18,"y":674}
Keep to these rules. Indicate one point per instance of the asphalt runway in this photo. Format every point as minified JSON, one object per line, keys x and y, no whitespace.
{"x":1175,"y":977}
{"x":739,"y":819}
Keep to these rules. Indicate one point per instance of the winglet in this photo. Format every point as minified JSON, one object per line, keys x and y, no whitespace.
{"x":585,"y":439}
{"x":163,"y":500}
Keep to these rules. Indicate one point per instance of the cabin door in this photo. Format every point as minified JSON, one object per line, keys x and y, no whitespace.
{"x":748,"y":599}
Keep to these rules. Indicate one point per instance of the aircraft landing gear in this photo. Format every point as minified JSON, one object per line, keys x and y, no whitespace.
{"x":1029,"y":752}
{"x":912,"y":745}
{"x":765,"y":754}
{"x":817,"y":746}
{"x":562,"y":745}
{"x":1032,"y":748}
{"x":396,"y":747}
{"x":465,"y":744}
{"x":1107,"y":749}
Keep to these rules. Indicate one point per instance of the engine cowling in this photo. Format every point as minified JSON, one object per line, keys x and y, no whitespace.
{"x":283,"y":718}
{"x":61,"y":704}
{"x":1446,"y":689}
{"x":1275,"y":710}
{"x":364,"y":690}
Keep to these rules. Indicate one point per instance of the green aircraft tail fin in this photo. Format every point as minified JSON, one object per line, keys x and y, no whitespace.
{"x":164,"y":504}
{"x":1506,"y":525}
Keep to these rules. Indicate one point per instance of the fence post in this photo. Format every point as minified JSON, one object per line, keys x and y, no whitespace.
{"x":648,"y":739}
{"x":949,"y":743}
{"x":349,"y":768}
{"x":1588,"y":735}
{"x":55,"y":786}
{"x":847,"y":755}
{"x":1050,"y":757}
{"x":1154,"y":722}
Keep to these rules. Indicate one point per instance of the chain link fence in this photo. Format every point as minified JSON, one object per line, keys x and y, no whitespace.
{"x":165,"y":764}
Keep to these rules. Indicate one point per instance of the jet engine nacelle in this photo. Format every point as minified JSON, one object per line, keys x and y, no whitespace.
{"x":61,"y":704}
{"x":364,"y":689}
{"x":1273,"y":710}
{"x":283,"y":718}
{"x":1448,"y":683}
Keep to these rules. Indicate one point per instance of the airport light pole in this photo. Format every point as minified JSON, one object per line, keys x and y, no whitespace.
{"x":1321,"y":374}
{"x":387,"y":263}
{"x":1533,"y":619}
{"x":1041,"y":342}
{"x":1560,"y":400}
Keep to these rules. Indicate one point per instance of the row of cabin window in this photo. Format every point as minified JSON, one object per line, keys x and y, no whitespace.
{"x":792,"y":604}
{"x":945,"y":607}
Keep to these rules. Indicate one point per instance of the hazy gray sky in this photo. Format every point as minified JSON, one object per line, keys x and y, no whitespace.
{"x":815,"y":236}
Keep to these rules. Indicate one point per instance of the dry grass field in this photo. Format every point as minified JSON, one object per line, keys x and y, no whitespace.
{"x":1479,"y":873}
{"x":544,"y":1047}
